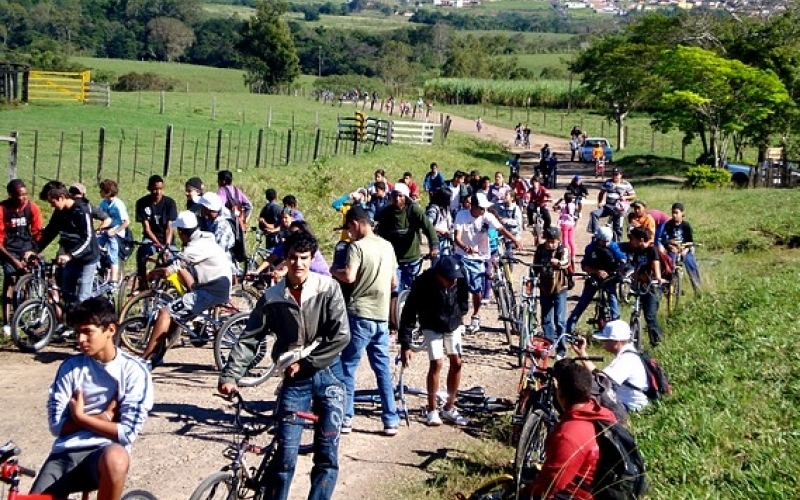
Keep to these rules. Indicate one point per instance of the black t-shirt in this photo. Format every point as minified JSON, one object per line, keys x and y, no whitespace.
{"x":271,"y":213}
{"x":601,"y":258}
{"x":642,"y":260}
{"x":158,"y":215}
{"x":681,"y":232}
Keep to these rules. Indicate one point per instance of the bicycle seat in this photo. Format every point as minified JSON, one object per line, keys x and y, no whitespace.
{"x":8,"y":450}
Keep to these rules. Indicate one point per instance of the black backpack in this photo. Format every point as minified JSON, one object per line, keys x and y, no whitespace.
{"x":657,"y":381}
{"x":238,"y":250}
{"x":620,"y":473}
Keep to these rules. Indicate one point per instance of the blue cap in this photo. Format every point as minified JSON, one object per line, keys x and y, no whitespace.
{"x":450,"y":268}
{"x":576,"y":178}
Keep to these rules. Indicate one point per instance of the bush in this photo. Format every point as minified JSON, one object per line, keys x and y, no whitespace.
{"x":132,"y":82}
{"x":553,"y":73}
{"x":704,"y":177}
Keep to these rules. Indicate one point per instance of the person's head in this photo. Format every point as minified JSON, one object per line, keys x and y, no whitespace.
{"x":552,"y":237}
{"x":546,"y":146}
{"x":290,"y":201}
{"x":615,"y":335}
{"x":17,"y":192}
{"x":569,"y":198}
{"x":513,"y":179}
{"x":434,"y":167}
{"x":498,"y":178}
{"x":458,"y":177}
{"x":475,"y":175}
{"x":299,"y":249}
{"x":108,"y":188}
{"x":194,"y":189}
{"x":442,"y":197}
{"x":211,"y":205}
{"x":486,"y":182}
{"x":155,"y":184}
{"x":640,"y":237}
{"x":604,"y":235}
{"x":380,"y":175}
{"x":59,"y":198}
{"x":616,"y":175}
{"x":536,"y":182}
{"x":77,"y":191}
{"x":517,"y":156}
{"x":573,"y":383}
{"x":271,"y":195}
{"x":48,"y":186}
{"x":95,"y":323}
{"x":576,"y":180}
{"x":186,"y":224}
{"x":510,"y":197}
{"x":286,"y":217}
{"x":300,"y":225}
{"x":407,"y":177}
{"x":224,"y":178}
{"x":357,"y":223}
{"x":380,"y":189}
{"x":359,"y":196}
{"x":639,"y":208}
{"x":447,"y":270}
{"x":478,"y":204}
{"x":400,"y":195}
{"x":677,"y":212}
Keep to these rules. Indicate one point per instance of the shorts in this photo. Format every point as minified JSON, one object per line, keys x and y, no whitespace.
{"x":194,"y":303}
{"x":475,"y":273}
{"x":70,"y":471}
{"x":440,"y":344}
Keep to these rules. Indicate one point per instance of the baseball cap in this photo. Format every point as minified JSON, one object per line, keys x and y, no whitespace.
{"x":616,"y":171}
{"x":402,"y":189}
{"x":211,"y":201}
{"x":638,"y":202}
{"x":355,"y":214}
{"x":77,"y":188}
{"x":614,"y":330}
{"x":195,"y":183}
{"x":186,"y":220}
{"x":480,"y":200}
{"x":449,"y":268}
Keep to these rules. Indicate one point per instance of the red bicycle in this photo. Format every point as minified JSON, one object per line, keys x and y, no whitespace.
{"x":11,"y":472}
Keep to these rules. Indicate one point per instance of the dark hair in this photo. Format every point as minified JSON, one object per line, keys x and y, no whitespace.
{"x":434,"y":164}
{"x":641,"y":233}
{"x":57,"y":192}
{"x":441,"y":197}
{"x":13,"y":185}
{"x":97,"y":311}
{"x":536,"y":178}
{"x":301,"y":225}
{"x":225,"y":177}
{"x":381,"y":171}
{"x":459,"y":173}
{"x":407,"y":174}
{"x":48,"y":186}
{"x":271,"y":194}
{"x":677,"y":206}
{"x":574,"y":381}
{"x":300,"y":241}
{"x":486,"y":178}
{"x":109,"y":186}
{"x":153,"y":180}
{"x":290,"y":200}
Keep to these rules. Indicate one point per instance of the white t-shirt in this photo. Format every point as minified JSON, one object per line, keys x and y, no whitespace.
{"x":627,"y":366}
{"x":475,"y":233}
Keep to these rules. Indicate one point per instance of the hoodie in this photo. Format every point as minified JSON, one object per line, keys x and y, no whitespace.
{"x":572,"y":454}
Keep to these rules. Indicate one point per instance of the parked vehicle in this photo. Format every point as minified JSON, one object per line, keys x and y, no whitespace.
{"x":585,"y":151}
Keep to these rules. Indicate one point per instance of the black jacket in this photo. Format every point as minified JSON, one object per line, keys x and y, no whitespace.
{"x":437,"y":308}
{"x":76,"y":235}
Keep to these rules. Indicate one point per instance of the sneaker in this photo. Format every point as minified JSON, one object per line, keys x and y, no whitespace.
{"x":6,"y":330}
{"x":453,"y":416}
{"x":347,"y":426}
{"x":433,"y":418}
{"x":474,"y":325}
{"x":485,"y":302}
{"x":391,"y":430}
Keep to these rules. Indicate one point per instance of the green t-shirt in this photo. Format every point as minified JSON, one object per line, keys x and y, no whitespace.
{"x":375,"y":262}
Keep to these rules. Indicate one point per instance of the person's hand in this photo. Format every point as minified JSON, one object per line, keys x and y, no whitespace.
{"x":405,"y":357}
{"x":28,"y":255}
{"x":18,"y":265}
{"x":156,"y":273}
{"x":63,"y":259}
{"x":228,"y":388}
{"x":554,"y":262}
{"x":76,"y":406}
{"x":579,"y":347}
{"x":112,"y":410}
{"x":517,"y":243}
{"x":434,"y":253}
{"x":292,"y":370}
{"x":602,"y":275}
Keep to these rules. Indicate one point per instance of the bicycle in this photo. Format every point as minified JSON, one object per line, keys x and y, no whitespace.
{"x":674,"y":289}
{"x":238,"y":479}
{"x":504,"y":291}
{"x":130,"y":285}
{"x":600,"y":167}
{"x":261,"y":368}
{"x":602,"y":309}
{"x":11,"y":472}
{"x":636,"y":312}
{"x":527,"y":315}
{"x":537,"y":225}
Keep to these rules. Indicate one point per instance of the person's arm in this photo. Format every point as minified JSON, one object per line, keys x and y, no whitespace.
{"x":408,"y":318}
{"x":630,"y":194}
{"x":655,"y":265}
{"x":502,"y":230}
{"x":36,"y":222}
{"x":564,"y":460}
{"x":601,"y":195}
{"x":349,"y":273}
{"x":149,"y":233}
{"x":50,"y":232}
{"x":3,"y":252}
{"x":61,"y":390}
{"x":430,"y":231}
{"x":247,"y":345}
{"x":171,"y":215}
{"x":247,"y":206}
{"x":86,"y":232}
{"x":426,"y":182}
{"x":334,"y":330}
{"x":135,"y":404}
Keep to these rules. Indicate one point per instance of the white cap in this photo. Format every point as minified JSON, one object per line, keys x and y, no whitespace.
{"x":614,"y":330}
{"x":480,"y":200}
{"x":402,"y":189}
{"x":185,"y":220}
{"x":604,"y":234}
{"x":211,"y":201}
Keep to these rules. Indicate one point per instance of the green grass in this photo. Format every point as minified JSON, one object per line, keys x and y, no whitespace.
{"x":362,"y":22}
{"x":512,"y":5}
{"x":731,"y":425}
{"x":537,"y":62}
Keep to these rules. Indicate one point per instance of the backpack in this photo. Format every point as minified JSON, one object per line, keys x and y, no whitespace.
{"x":667,"y":264}
{"x":657,"y":381}
{"x":620,"y":473}
{"x":125,"y":247}
{"x":238,"y":250}
{"x":238,"y":224}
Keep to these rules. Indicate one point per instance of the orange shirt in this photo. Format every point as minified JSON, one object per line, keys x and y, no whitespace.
{"x":645,"y":220}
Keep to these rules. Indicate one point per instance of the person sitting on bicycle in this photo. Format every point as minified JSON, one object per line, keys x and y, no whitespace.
{"x":613,"y":201}
{"x":510,"y":215}
{"x":640,"y":218}
{"x":555,"y":259}
{"x":647,"y":273}
{"x":300,"y":311}
{"x":602,"y":259}
{"x":578,"y":191}
{"x":97,"y":406}
{"x":538,"y":198}
{"x":676,"y":237}
{"x":571,"y":453}
{"x":439,"y":298}
{"x":216,"y":219}
{"x":514,"y":164}
{"x":155,"y":212}
{"x":20,"y":229}
{"x":497,"y":191}
{"x":627,"y":372}
{"x":204,"y":269}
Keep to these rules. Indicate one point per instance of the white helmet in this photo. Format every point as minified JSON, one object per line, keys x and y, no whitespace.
{"x":604,"y":234}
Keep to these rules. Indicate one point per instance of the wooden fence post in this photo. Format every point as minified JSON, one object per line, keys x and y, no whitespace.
{"x":183,"y":147}
{"x":288,"y":146}
{"x":238,"y":148}
{"x":12,"y":156}
{"x":35,"y":157}
{"x":135,"y":153}
{"x":60,"y":156}
{"x":258,"y":146}
{"x":101,"y":148}
{"x":168,"y":150}
{"x":194,"y":157}
{"x":80,"y":159}
{"x":228,"y":158}
{"x":316,"y":143}
{"x":249,"y":143}
{"x":161,"y":103}
{"x":153,"y":152}
{"x":219,"y":150}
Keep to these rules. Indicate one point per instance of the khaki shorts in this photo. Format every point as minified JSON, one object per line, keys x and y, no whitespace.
{"x":440,"y":344}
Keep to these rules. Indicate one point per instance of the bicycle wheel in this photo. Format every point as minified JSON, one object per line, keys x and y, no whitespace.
{"x":504,"y":312}
{"x":524,"y":334}
{"x":674,"y":290}
{"x":497,"y":488}
{"x":260,"y":368}
{"x":529,"y":455}
{"x":138,"y":495}
{"x":144,"y":304}
{"x":220,"y":485}
{"x":132,"y":334}
{"x":636,"y":332}
{"x":127,"y":287}
{"x":33,"y":325}
{"x":624,"y":292}
{"x":244,"y":297}
{"x":28,"y":287}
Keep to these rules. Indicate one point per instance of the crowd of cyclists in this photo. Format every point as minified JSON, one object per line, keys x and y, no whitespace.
{"x":325,"y":316}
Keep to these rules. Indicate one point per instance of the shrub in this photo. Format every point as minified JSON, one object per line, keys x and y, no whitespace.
{"x":704,"y":177}
{"x":132,"y":82}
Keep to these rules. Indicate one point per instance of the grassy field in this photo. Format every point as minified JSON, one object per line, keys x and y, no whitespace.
{"x":512,"y":5}
{"x":537,"y":62}
{"x":732,"y":422}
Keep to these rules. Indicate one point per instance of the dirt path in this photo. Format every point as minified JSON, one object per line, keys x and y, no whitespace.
{"x":189,"y":428}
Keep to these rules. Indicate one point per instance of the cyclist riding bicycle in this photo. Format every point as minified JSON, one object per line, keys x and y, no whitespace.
{"x":204,"y":268}
{"x":538,"y":198}
{"x":678,"y":231}
{"x":613,"y":201}
{"x":97,"y":407}
{"x":578,"y":191}
{"x":647,"y":273}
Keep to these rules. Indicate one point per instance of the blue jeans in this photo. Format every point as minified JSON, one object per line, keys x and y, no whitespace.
{"x":111,"y":243}
{"x":606,"y":211}
{"x":406,"y":273}
{"x":324,"y":393}
{"x":554,"y":315}
{"x":692,"y":270}
{"x":650,"y":302}
{"x":76,"y":281}
{"x":373,"y":336}
{"x":589,"y":291}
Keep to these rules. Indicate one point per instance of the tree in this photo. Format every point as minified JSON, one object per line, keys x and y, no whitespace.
{"x":267,"y":48}
{"x":715,"y":97}
{"x":169,"y":38}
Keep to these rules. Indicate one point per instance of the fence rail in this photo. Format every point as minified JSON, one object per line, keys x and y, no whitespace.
{"x":58,"y":86}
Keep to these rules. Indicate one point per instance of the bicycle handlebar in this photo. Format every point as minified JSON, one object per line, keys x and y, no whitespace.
{"x":25,"y":471}
{"x":590,"y":358}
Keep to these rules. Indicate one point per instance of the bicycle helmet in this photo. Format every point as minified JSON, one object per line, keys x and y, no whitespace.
{"x":604,"y":234}
{"x":552,"y":233}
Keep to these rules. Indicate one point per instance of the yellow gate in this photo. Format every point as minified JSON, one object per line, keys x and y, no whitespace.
{"x":58,"y":86}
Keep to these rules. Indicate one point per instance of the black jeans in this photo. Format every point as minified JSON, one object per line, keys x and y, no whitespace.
{"x":650,"y":303}
{"x":543,"y":212}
